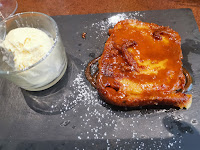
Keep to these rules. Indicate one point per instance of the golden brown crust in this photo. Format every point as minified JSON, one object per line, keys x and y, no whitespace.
{"x":141,"y":65}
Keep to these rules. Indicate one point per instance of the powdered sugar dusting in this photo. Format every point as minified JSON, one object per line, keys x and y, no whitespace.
{"x":101,"y":27}
{"x":116,"y":18}
{"x":96,"y":120}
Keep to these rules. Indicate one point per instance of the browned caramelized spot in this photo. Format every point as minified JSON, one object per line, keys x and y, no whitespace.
{"x":84,"y":35}
{"x":113,"y":53}
{"x":127,"y":54}
{"x":157,"y":35}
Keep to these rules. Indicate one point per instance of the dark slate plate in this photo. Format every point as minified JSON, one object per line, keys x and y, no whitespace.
{"x":71,"y":115}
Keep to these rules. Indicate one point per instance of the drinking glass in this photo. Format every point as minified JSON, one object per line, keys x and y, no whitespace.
{"x":7,"y":8}
{"x":50,"y":68}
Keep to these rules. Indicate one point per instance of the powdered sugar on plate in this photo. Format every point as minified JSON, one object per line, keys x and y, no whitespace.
{"x":97,"y":120}
{"x":101,"y":27}
{"x":116,"y":18}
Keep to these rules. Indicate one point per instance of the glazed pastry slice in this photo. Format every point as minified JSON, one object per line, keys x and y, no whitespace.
{"x":141,"y":65}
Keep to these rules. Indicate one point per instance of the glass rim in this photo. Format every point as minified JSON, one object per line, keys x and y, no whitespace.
{"x":16,"y":6}
{"x":14,"y":10}
{"x":46,"y":55}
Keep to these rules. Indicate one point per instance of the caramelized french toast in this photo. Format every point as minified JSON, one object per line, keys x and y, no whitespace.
{"x":141,"y":65}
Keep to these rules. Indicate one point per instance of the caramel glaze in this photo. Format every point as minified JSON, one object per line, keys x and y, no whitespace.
{"x":92,"y":78}
{"x":131,"y":45}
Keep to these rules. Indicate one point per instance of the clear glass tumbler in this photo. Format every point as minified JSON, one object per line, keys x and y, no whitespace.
{"x":49,"y":69}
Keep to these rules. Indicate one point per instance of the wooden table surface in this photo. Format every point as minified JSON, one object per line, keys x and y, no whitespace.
{"x":70,"y":7}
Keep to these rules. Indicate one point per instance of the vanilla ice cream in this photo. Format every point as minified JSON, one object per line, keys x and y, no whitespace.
{"x":28,"y":46}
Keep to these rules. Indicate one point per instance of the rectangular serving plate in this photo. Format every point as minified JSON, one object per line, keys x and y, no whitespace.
{"x":71,"y":115}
